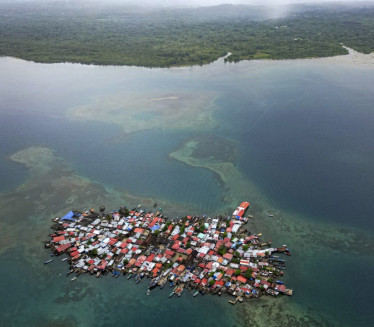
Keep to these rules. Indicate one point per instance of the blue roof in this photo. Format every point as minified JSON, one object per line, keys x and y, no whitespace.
{"x":69,"y":216}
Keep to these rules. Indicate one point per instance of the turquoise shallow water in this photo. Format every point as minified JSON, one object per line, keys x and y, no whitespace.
{"x":304,"y":131}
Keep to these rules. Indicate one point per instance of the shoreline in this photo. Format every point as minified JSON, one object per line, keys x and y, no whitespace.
{"x":352,"y":57}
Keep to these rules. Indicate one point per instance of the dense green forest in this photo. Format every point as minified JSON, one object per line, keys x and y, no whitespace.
{"x":61,"y":32}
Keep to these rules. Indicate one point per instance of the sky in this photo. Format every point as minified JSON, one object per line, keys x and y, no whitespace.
{"x":217,"y":2}
{"x":196,"y":3}
{"x":202,"y":2}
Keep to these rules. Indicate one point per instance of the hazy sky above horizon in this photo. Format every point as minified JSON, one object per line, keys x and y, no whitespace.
{"x":217,"y":2}
{"x":195,"y":3}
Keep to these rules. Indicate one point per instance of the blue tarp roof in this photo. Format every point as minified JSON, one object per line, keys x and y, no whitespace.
{"x":155,"y":227}
{"x":69,"y":216}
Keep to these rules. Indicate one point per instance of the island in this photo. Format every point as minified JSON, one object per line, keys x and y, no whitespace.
{"x":199,"y":254}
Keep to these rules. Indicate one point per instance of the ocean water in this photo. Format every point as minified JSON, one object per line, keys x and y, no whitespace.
{"x":305,"y":139}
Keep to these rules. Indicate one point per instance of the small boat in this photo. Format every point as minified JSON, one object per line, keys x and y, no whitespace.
{"x":129,"y":276}
{"x":48,"y":261}
{"x":179,"y":290}
{"x":287,"y":252}
{"x":148,"y":292}
{"x":153,"y":283}
{"x":171,"y":284}
{"x":64,"y":259}
{"x":196,"y":293}
{"x":171,"y":294}
{"x":98,"y":274}
{"x":74,"y":278}
{"x":270,"y":215}
{"x":279,"y":282}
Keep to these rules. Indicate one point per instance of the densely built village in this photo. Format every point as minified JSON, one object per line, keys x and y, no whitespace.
{"x":205,"y":255}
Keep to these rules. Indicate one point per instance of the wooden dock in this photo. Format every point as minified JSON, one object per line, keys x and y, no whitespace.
{"x":239,"y":298}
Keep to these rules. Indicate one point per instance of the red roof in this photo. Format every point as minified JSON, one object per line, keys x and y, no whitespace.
{"x":113,"y":241}
{"x":219,"y":283}
{"x":123,"y":245}
{"x":244,"y":205}
{"x":58,"y":238}
{"x":63,"y":247}
{"x":227,"y":256}
{"x":153,"y":222}
{"x":150,"y":258}
{"x":169,"y":252}
{"x":241,"y":279}
{"x":103,"y":265}
{"x":280,"y":288}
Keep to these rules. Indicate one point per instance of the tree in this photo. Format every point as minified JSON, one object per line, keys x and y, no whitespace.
{"x":237,"y":272}
{"x":125,"y":262}
{"x":93,"y":252}
{"x":245,"y":247}
{"x":212,"y":282}
{"x":248,"y":273}
{"x":157,"y":232}
{"x":222,"y":250}
{"x":235,"y":260}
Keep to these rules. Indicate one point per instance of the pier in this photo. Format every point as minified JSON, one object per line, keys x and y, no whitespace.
{"x":194,"y":254}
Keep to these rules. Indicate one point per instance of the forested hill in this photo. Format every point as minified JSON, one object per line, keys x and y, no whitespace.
{"x":115,"y":35}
